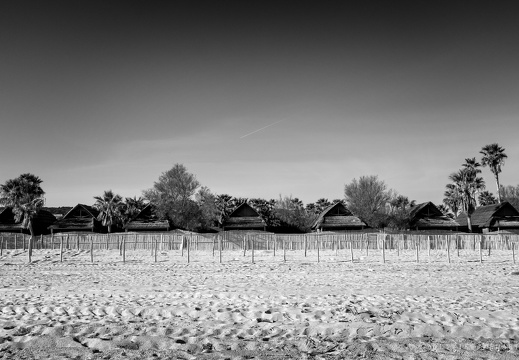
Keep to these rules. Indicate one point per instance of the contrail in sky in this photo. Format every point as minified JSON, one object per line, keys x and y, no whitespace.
{"x":263,"y":128}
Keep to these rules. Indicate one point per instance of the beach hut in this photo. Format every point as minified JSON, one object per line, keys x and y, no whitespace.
{"x":147,"y":220}
{"x":337,"y":217}
{"x":81,"y":218}
{"x":491,"y":218}
{"x":244,"y":217}
{"x":426,"y":216}
{"x":40,"y":224}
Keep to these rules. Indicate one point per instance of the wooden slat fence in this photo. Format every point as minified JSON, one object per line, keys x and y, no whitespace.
{"x":246,"y":241}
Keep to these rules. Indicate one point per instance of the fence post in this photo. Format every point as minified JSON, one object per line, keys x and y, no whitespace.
{"x":213,"y":244}
{"x":61,"y":249}
{"x":188,"y":246}
{"x":305,"y":243}
{"x":284,"y":250}
{"x":221,"y":243}
{"x":15,"y":241}
{"x":384,"y":249}
{"x":1,"y":245}
{"x":77,"y":241}
{"x":252,"y":252}
{"x":244,"y":245}
{"x":480,"y":249}
{"x":156,"y":247}
{"x":417,"y":248}
{"x":91,"y":249}
{"x":123,"y":247}
{"x":448,"y":249}
{"x":23,"y":241}
{"x":367,"y":245}
{"x":31,"y":244}
{"x":318,"y":246}
{"x":513,"y":252}
{"x":351,"y":250}
{"x":275,"y":244}
{"x":182,"y":246}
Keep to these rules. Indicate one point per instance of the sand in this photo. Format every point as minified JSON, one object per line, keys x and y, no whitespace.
{"x":269,"y":309}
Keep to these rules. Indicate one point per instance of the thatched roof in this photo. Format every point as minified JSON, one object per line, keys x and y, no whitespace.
{"x":7,"y":223}
{"x":40,"y":222}
{"x":6,"y":216}
{"x":338,"y":217}
{"x":244,"y":217}
{"x":146,"y":220}
{"x":80,"y":218}
{"x":492,"y":216}
{"x":427,"y":216}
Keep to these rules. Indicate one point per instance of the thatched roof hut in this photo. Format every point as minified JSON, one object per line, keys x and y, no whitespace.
{"x":337,"y":217}
{"x":81,"y":218}
{"x":41,"y":222}
{"x":426,"y":216}
{"x":146,"y":220}
{"x":492,"y":218}
{"x":244,"y":217}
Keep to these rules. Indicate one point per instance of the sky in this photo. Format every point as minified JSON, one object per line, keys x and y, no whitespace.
{"x":256,"y":99}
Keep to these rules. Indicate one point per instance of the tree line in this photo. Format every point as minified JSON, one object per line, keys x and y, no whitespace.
{"x":178,"y":197}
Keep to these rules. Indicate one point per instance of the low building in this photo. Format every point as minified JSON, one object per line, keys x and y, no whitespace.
{"x":40,"y":223}
{"x":146,"y":220}
{"x":244,"y":217}
{"x":81,"y":218}
{"x":337,"y":217}
{"x":426,"y":216}
{"x":492,"y":218}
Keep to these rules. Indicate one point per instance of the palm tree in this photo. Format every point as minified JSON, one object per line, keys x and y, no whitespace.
{"x":109,"y":206}
{"x":224,"y":207}
{"x":445,"y":210}
{"x":452,"y":199}
{"x":322,"y":204}
{"x":472,"y":164}
{"x":486,"y":198}
{"x":467,"y":184}
{"x":131,"y":207}
{"x":24,"y":196}
{"x":494,"y":157}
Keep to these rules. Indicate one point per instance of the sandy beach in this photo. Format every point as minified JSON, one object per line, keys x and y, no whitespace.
{"x":269,"y":309}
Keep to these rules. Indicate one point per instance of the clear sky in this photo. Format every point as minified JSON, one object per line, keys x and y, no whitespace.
{"x":108,"y":95}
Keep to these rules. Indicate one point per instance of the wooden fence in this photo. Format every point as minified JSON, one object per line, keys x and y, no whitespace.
{"x":258,"y":241}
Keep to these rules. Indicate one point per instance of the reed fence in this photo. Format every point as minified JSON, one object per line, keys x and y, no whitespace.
{"x":316,"y":243}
